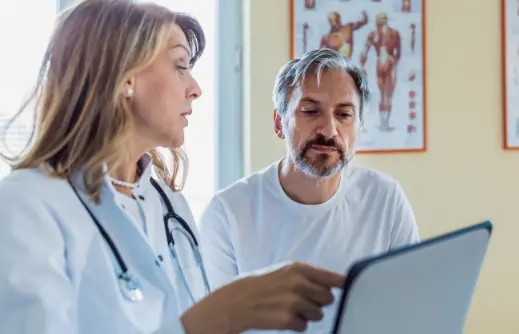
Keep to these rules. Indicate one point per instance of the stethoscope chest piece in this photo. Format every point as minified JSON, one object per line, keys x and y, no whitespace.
{"x":130,"y":288}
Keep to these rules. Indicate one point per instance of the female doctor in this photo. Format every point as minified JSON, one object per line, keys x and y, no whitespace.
{"x":95,"y":236}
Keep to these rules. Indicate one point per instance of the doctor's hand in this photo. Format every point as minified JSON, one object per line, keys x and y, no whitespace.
{"x":285,"y":299}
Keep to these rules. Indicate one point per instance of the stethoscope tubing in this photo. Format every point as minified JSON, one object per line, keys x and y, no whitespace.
{"x":128,"y":284}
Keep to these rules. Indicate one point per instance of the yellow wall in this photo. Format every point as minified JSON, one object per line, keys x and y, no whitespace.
{"x":465,"y":177}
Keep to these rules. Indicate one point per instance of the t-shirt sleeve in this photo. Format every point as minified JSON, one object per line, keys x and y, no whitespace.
{"x":405,"y":229}
{"x":216,"y":245}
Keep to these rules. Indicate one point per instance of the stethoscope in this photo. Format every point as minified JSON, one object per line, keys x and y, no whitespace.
{"x":129,"y":286}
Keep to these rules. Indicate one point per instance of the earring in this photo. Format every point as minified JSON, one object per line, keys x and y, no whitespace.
{"x":129,"y":92}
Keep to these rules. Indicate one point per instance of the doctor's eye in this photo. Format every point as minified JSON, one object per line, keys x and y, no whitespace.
{"x":182,"y":69}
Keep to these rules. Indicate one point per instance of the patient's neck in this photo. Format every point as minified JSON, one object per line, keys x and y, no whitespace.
{"x":304,"y":189}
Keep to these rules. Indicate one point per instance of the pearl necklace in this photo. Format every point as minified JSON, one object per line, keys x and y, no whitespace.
{"x":123,"y":183}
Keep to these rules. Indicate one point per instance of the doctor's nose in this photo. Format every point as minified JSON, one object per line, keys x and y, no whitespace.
{"x":194,"y":91}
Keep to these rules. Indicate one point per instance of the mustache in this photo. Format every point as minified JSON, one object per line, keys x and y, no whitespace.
{"x":323,"y":141}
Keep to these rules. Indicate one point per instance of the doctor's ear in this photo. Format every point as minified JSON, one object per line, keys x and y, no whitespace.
{"x":278,"y":126}
{"x":129,"y":87}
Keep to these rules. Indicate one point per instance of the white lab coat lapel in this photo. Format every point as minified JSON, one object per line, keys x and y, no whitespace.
{"x":154,"y":215}
{"x":157,"y":235}
{"x":154,"y":212}
{"x":154,"y":245}
{"x":117,"y":223}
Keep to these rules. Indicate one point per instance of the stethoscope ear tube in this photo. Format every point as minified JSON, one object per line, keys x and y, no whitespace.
{"x":105,"y":235}
{"x":172,"y":214}
{"x":128,"y":285}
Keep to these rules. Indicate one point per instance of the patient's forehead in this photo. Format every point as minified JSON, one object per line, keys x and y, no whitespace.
{"x":331,"y":87}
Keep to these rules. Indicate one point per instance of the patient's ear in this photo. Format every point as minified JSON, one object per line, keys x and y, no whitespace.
{"x":278,"y":127}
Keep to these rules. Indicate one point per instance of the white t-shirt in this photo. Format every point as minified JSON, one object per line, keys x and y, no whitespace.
{"x":253,"y":224}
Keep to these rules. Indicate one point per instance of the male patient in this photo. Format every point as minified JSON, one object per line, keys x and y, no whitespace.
{"x":313,"y":205}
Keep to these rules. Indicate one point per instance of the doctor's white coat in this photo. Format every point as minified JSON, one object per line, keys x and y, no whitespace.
{"x":58,"y":275}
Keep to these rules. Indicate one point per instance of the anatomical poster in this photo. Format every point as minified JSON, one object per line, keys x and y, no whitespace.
{"x":511,"y":73}
{"x":385,"y":38}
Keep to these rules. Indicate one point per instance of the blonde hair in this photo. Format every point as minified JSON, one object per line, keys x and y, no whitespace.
{"x":81,"y":121}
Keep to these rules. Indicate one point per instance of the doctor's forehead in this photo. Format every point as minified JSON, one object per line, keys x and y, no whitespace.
{"x":177,"y":41}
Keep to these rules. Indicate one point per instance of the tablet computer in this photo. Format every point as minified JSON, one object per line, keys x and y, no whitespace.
{"x":424,"y":288}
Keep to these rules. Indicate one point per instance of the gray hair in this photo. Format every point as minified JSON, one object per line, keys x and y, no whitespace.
{"x":315,"y":62}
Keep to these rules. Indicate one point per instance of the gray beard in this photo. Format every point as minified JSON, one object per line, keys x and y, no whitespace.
{"x":318,"y":169}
